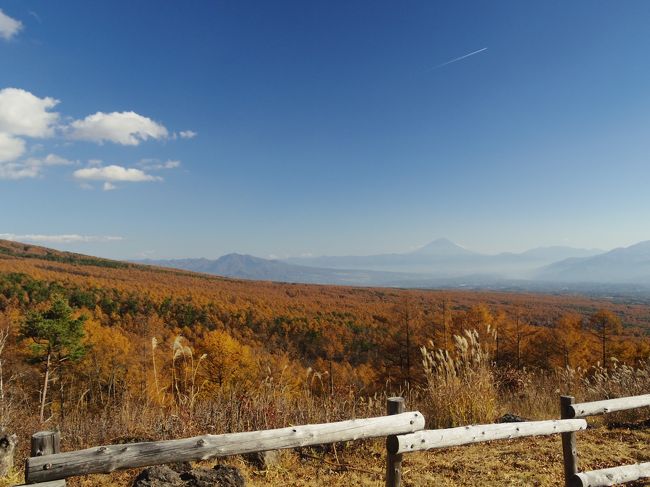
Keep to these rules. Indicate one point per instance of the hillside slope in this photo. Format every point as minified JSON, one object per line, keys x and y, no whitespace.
{"x":172,"y":353}
{"x":363,"y":302}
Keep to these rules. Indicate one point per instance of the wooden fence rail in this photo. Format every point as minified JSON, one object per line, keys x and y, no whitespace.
{"x":611,"y":476}
{"x":595,"y":408}
{"x":466,"y":435}
{"x":106,"y":459}
{"x":51,"y":483}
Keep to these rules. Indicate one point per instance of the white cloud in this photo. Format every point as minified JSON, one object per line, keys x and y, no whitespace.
{"x":69,"y":238}
{"x":31,"y":167}
{"x":49,"y":160}
{"x":170,"y":165}
{"x":126,"y":128}
{"x":25,"y":115}
{"x":155,"y":164}
{"x":114,"y":173}
{"x":22,"y":113}
{"x":11,"y":148}
{"x":36,"y":148}
{"x":15,"y":170}
{"x":187,"y":134}
{"x":9,"y":27}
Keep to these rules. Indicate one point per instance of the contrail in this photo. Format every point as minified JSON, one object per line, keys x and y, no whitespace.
{"x":457,"y":59}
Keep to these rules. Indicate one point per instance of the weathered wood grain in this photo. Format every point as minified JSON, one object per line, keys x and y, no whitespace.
{"x":569,"y":448}
{"x":612,"y":476}
{"x":585,"y":409}
{"x":105,"y":459}
{"x":45,"y":443}
{"x":52,"y":483}
{"x":465,"y":435}
{"x":394,"y":405}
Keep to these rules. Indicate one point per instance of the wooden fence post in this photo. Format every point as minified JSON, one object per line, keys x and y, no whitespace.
{"x":569,"y":450}
{"x":45,"y":443}
{"x":394,"y":405}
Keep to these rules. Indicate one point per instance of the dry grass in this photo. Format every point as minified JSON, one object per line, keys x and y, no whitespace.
{"x":462,"y":388}
{"x":455,"y":380}
{"x":15,"y":477}
{"x":618,"y":381}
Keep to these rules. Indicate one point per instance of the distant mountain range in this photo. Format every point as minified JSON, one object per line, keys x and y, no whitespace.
{"x":443,"y":258}
{"x":442,"y":263}
{"x":249,"y":267}
{"x":620,"y":272}
{"x":627,"y":265}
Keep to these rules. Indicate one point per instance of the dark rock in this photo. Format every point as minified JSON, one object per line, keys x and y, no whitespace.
{"x":163,"y":476}
{"x":263,"y":459}
{"x":219,"y":476}
{"x":638,"y":425}
{"x":180,"y":467}
{"x":511,"y":418}
{"x":158,"y":476}
{"x":323,"y":449}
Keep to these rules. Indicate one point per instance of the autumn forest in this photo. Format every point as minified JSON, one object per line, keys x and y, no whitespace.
{"x":82,"y":337}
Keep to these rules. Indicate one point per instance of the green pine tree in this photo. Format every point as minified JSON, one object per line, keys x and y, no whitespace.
{"x":57,"y":339}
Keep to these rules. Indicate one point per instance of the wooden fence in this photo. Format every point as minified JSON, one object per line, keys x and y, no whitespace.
{"x":46,"y":464}
{"x":607,"y":476}
{"x":404,"y":432}
{"x":571,"y":421}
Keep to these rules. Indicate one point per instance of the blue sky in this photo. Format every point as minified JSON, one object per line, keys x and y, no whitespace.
{"x":186,"y":129}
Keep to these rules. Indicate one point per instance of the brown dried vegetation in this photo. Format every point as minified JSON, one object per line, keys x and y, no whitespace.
{"x":173,"y":354}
